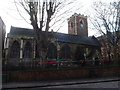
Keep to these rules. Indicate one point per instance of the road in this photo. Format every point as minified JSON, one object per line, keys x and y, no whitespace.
{"x":91,"y":85}
{"x":114,"y":84}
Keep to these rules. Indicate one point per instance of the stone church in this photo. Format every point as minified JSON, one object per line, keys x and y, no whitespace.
{"x":76,"y":45}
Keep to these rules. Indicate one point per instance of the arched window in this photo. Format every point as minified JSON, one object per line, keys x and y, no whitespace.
{"x":36,"y":52}
{"x":81,"y":24}
{"x":15,"y":50}
{"x":27,"y":50}
{"x":72,"y":24}
{"x":52,"y":51}
{"x":65,"y":52}
{"x":79,"y":54}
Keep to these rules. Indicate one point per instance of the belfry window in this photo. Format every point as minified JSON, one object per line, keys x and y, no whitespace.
{"x":71,"y":24}
{"x":81,"y":24}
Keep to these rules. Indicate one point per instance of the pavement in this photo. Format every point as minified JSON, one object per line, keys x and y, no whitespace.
{"x":14,"y":85}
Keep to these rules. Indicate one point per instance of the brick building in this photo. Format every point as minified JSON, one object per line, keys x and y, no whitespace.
{"x":108,"y":50}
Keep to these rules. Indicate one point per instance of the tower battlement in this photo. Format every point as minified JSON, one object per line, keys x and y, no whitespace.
{"x":77,"y":25}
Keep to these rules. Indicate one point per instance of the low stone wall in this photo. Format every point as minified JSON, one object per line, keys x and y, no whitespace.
{"x":109,"y":71}
{"x":17,"y":76}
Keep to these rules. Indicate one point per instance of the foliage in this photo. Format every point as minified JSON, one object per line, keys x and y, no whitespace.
{"x":91,"y":53}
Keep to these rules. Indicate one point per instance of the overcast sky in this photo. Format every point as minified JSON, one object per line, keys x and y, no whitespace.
{"x":11,"y":17}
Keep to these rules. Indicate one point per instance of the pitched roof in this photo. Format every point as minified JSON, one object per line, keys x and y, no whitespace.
{"x":68,"y":38}
{"x":17,"y":31}
{"x":65,"y":38}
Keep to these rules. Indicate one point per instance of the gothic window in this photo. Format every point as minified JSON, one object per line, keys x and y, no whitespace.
{"x":52,"y":51}
{"x":27,"y":50}
{"x":65,"y":52}
{"x":81,"y":24}
{"x":15,"y":50}
{"x":36,"y":52}
{"x":71,"y":24}
{"x":79,"y":54}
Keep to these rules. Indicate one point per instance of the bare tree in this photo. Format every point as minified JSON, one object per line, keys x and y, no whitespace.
{"x":42,"y":13}
{"x":107,"y":21}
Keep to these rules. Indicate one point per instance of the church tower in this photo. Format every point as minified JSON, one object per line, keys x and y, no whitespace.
{"x":77,"y":25}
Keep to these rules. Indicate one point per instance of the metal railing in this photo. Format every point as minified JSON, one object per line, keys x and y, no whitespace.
{"x":54,"y":64}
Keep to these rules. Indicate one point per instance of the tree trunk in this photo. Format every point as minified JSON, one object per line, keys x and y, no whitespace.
{"x":109,"y":52}
{"x":42,"y":43}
